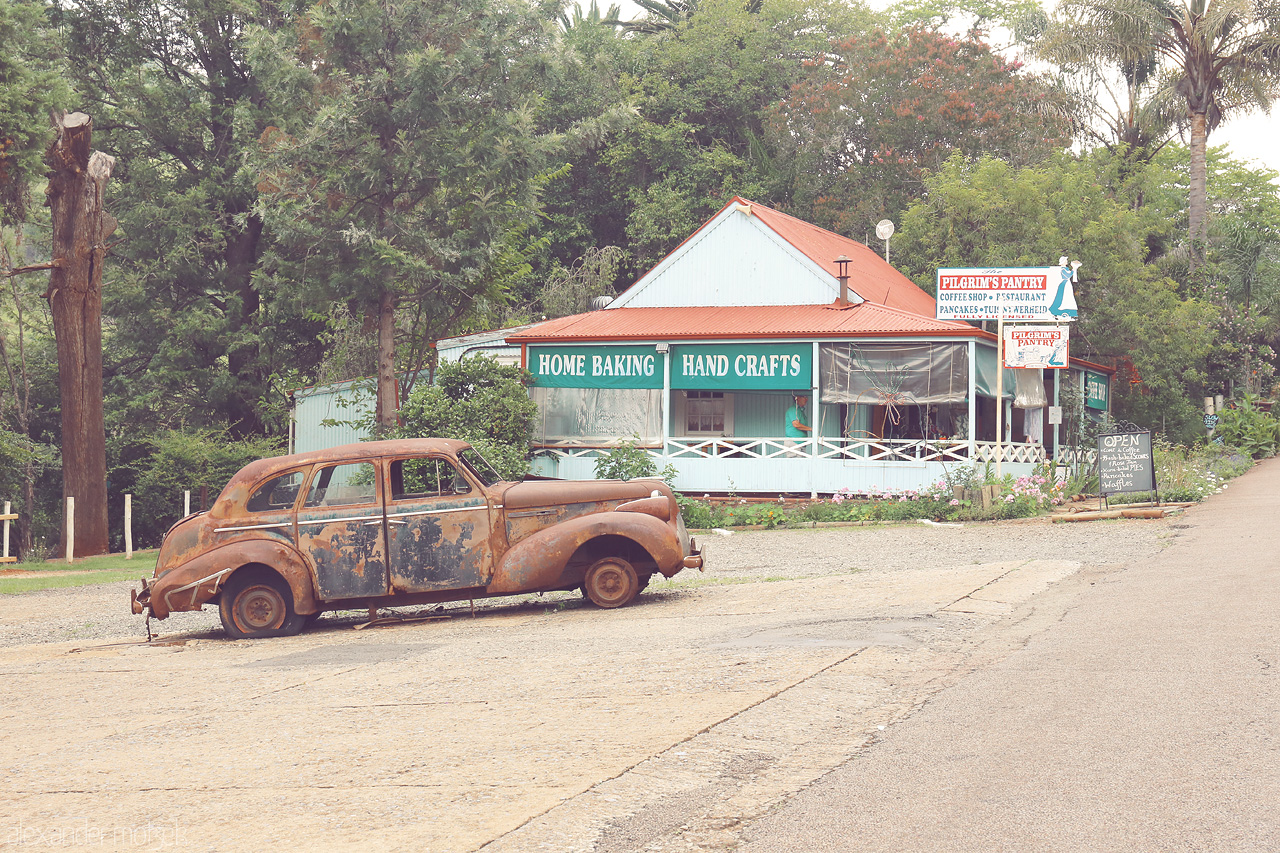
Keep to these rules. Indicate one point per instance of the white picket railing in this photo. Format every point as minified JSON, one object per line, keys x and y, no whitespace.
{"x":869,"y":450}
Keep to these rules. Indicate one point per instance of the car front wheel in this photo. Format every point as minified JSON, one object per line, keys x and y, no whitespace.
{"x":258,"y":604}
{"x":611,"y":582}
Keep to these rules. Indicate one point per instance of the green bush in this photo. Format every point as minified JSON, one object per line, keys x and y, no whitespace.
{"x":1249,"y":428}
{"x":480,"y":401}
{"x":630,"y":461}
{"x":157,"y":470}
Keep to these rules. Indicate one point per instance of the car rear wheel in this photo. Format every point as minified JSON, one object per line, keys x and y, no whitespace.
{"x":610,"y":582}
{"x":258,"y":604}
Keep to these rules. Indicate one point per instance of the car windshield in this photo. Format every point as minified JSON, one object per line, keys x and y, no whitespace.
{"x":479,"y":466}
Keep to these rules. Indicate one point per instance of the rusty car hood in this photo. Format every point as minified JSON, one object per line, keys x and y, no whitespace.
{"x":549,"y":492}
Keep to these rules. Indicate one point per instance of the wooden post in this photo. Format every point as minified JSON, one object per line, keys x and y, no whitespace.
{"x":128,"y":527}
{"x":999,"y":395}
{"x":71,"y":528}
{"x":186,"y":503}
{"x":8,"y":516}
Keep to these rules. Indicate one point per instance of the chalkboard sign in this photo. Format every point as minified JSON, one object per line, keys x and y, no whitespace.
{"x":1125,"y":463}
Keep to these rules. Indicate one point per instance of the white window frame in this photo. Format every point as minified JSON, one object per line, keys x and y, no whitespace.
{"x":682,"y":423}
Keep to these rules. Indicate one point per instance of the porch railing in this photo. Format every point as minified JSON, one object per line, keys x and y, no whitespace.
{"x":869,"y":450}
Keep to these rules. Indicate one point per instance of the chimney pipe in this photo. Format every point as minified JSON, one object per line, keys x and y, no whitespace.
{"x":842,"y":263}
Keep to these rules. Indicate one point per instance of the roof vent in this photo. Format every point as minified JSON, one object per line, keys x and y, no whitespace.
{"x":598,"y":302}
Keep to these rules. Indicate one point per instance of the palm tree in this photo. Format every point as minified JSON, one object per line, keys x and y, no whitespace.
{"x":660,"y":16}
{"x":593,"y":16}
{"x":1218,"y":57}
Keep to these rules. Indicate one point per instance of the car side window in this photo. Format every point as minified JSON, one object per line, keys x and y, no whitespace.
{"x":425,"y":477}
{"x":343,"y":485}
{"x":276,"y":494}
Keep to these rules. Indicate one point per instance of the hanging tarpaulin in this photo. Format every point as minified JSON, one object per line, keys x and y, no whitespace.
{"x":1009,"y":293}
{"x":1036,"y":346}
{"x":987,"y":378}
{"x":893,"y":374}
{"x":597,"y":415}
{"x":1029,"y":393}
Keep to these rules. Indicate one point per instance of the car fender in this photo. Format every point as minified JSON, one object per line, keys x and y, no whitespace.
{"x":538,"y":561}
{"x":209,"y":568}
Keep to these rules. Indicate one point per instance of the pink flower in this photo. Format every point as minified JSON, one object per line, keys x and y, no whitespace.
{"x":955,"y":502}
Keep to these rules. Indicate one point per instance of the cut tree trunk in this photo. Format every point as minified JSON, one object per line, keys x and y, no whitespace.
{"x":77,"y":179}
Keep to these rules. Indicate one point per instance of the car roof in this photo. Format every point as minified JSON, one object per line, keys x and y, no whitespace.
{"x":255,"y":471}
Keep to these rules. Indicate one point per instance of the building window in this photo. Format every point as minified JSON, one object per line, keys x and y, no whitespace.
{"x":707,"y":413}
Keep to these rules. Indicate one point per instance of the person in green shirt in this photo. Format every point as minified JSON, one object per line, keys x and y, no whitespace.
{"x":797,"y":423}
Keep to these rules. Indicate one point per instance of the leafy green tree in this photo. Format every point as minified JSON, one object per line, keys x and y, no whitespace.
{"x":406,"y":168}
{"x":31,"y":87}
{"x":700,"y":93}
{"x":157,"y":469}
{"x":992,"y":214}
{"x":877,"y":111}
{"x":480,"y":401}
{"x":195,"y":334}
{"x":1023,"y":20}
{"x":1220,"y":57}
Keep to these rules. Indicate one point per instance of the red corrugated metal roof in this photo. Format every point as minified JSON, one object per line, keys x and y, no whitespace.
{"x":741,"y":321}
{"x":870,"y":276}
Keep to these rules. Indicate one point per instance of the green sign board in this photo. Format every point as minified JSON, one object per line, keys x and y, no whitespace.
{"x":1097,"y":390}
{"x":597,"y":366}
{"x":741,"y":367}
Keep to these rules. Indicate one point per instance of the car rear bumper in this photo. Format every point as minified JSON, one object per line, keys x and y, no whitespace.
{"x":697,"y":556}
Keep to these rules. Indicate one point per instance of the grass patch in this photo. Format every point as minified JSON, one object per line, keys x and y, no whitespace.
{"x":86,"y":571}
{"x":14,"y":584}
{"x":144,"y":561}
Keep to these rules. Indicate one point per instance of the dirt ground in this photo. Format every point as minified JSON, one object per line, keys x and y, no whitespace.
{"x":539,"y":724}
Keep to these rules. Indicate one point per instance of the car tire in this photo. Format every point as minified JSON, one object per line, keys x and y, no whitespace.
{"x":611,"y":582}
{"x":257,"y":603}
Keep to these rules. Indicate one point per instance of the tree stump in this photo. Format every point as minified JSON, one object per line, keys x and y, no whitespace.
{"x":80,"y":226}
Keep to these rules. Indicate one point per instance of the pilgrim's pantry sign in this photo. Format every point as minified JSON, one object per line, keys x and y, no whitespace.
{"x":596,"y":366}
{"x":1036,"y":346}
{"x":740,"y":367}
{"x":1011,"y":293}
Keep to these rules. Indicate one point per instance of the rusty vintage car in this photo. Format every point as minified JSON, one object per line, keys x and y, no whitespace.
{"x":415,"y":521}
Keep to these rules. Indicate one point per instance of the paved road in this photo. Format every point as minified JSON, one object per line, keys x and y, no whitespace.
{"x":1147,"y":718}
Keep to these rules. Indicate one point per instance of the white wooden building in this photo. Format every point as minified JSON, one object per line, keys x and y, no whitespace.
{"x":701,"y":359}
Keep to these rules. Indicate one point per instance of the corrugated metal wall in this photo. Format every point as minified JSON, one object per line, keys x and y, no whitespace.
{"x":765,"y":270}
{"x":341,"y":403}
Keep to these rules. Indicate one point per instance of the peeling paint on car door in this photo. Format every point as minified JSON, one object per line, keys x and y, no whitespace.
{"x":341,"y":529}
{"x":437,"y":527}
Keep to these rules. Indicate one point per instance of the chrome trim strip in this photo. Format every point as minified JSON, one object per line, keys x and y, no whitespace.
{"x":436,"y":511}
{"x":253,"y":527}
{"x":377,"y":518}
{"x":194,"y":586}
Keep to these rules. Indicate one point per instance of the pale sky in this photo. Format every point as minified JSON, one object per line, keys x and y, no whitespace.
{"x":1253,"y":137}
